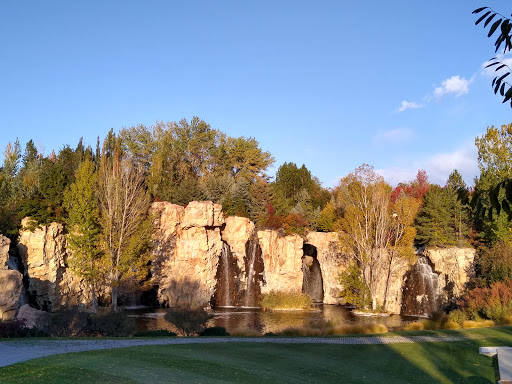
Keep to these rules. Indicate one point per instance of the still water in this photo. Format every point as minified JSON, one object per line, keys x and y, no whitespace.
{"x":236,"y":319}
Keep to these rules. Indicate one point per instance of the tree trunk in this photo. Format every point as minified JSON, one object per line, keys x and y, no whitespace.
{"x":114,"y":299}
{"x":388,"y":277}
{"x":93,"y":299}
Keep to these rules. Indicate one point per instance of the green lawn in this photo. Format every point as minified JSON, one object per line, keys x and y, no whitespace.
{"x":447,"y":362}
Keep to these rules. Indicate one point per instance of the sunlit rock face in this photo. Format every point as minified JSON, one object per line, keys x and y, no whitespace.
{"x":331,"y":261}
{"x":187,"y":247}
{"x":51,"y":284}
{"x":4,"y":251}
{"x":437,"y":279}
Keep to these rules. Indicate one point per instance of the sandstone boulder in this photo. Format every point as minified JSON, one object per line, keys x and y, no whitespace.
{"x":32,"y":317}
{"x":11,"y":286}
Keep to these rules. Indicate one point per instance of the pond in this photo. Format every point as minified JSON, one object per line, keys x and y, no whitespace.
{"x":238,"y":319}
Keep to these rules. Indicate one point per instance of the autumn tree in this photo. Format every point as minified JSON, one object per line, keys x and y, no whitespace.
{"x":364,"y":200}
{"x":124,"y":219}
{"x":82,"y":205}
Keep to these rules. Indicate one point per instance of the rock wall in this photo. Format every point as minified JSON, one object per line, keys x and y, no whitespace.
{"x":455,"y":267}
{"x":51,"y":285}
{"x":282,"y":259}
{"x":332,"y":263}
{"x":187,"y":245}
{"x":4,"y":251}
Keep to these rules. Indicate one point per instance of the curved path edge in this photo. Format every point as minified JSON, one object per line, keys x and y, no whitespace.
{"x":12,"y":352}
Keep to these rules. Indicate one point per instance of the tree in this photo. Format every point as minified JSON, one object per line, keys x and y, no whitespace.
{"x":124,"y":218}
{"x":493,"y":188}
{"x":82,"y":221}
{"x":364,"y":200}
{"x":503,"y":25}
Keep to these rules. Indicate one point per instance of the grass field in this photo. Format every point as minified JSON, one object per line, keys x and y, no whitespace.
{"x":444,"y":362}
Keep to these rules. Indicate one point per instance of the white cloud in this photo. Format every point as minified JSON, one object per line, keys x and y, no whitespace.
{"x":438,"y":167}
{"x":409,"y":105}
{"x":393,"y":136}
{"x":491,"y":71}
{"x":454,"y":85}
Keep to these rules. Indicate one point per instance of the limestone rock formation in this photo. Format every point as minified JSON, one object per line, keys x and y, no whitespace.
{"x":202,"y":214}
{"x":282,"y":259}
{"x":4,"y":251}
{"x":51,"y":285}
{"x":10,"y":290}
{"x":237,"y":231}
{"x":332,"y":263}
{"x":455,"y":267}
{"x":186,"y":275}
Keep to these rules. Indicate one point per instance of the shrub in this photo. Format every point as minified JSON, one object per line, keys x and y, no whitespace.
{"x":457,"y":316}
{"x":214,"y":331}
{"x":249,"y":332}
{"x":491,"y":303}
{"x":414,"y":326}
{"x":355,"y":290}
{"x":13,"y":328}
{"x":69,"y":322}
{"x":188,"y":320}
{"x":111,"y":323}
{"x":155,"y":333}
{"x":450,"y":325}
{"x":282,"y":300}
{"x":506,"y":320}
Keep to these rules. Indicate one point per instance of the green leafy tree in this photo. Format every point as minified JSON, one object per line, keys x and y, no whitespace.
{"x":82,"y":222}
{"x":355,"y":291}
{"x":433,"y":223}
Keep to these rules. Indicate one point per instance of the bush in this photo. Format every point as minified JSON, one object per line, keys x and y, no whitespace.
{"x":188,"y":320}
{"x":214,"y":331}
{"x":414,"y":326}
{"x":68,"y":323}
{"x":155,"y":333}
{"x":111,"y":324}
{"x":491,"y":303}
{"x":13,"y":328}
{"x":457,"y":316}
{"x":248,"y":332}
{"x":282,"y":300}
{"x":450,"y":325}
{"x":355,"y":291}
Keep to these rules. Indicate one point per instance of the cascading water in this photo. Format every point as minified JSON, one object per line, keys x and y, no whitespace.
{"x":225,"y":289}
{"x":420,"y":290}
{"x":312,"y":282}
{"x":254,"y":273}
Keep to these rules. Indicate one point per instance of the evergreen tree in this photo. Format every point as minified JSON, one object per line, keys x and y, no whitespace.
{"x":82,"y":222}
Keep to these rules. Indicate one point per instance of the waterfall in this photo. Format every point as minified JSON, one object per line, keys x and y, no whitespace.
{"x":225,"y":288}
{"x":420,"y":289}
{"x":254,"y":270}
{"x":312,"y":282}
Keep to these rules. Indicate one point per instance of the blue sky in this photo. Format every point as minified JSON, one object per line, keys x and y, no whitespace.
{"x":331,"y":84}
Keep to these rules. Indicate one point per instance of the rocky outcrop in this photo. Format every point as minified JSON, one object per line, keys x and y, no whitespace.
{"x":32,"y":317}
{"x":11,"y":285}
{"x":186,"y":273}
{"x":4,"y":251}
{"x":455,"y":267}
{"x":51,"y":285}
{"x":332,"y":263}
{"x":236,"y":233}
{"x":282,"y":259}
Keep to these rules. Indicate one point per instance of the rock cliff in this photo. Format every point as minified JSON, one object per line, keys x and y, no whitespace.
{"x":51,"y":285}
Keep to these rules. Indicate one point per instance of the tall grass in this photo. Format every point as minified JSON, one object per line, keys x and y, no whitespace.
{"x":285,"y":300}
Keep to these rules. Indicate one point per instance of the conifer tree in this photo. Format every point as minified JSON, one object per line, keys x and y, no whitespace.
{"x":82,"y":222}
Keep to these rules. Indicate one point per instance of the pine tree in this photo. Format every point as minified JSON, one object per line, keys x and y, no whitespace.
{"x":82,"y":222}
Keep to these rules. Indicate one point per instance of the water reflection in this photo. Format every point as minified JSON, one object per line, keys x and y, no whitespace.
{"x":237,"y":319}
